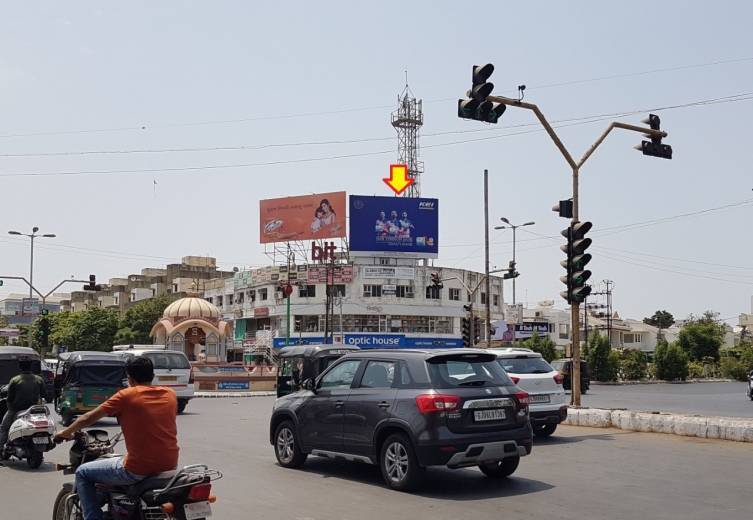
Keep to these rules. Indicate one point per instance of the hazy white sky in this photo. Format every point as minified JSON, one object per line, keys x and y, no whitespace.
{"x":88,"y":76}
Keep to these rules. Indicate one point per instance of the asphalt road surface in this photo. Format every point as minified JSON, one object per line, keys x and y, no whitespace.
{"x":722,"y":399}
{"x":580,"y":473}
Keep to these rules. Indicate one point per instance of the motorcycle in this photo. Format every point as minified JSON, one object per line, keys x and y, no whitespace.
{"x":30,"y":434}
{"x":183,"y":494}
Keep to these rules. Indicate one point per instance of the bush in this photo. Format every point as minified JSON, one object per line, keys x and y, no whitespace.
{"x":544,"y":346}
{"x":633,"y":365}
{"x":671,"y":362}
{"x":733,"y":369}
{"x":696,"y":370}
{"x":702,"y":337}
{"x":603,"y":362}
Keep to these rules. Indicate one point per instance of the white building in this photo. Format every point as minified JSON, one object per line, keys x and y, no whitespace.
{"x":378,"y":302}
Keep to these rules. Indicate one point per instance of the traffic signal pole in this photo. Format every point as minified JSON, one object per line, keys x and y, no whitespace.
{"x":487,"y":280}
{"x":575,"y":168}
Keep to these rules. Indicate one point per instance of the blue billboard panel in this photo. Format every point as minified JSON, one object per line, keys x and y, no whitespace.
{"x":409,"y":226}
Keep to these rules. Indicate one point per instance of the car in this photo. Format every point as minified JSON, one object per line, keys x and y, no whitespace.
{"x":171,"y":369}
{"x":547,"y":400}
{"x":406,"y":410}
{"x":565,"y":366}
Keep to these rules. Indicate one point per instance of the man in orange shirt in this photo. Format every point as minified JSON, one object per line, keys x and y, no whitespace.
{"x":147,"y":418}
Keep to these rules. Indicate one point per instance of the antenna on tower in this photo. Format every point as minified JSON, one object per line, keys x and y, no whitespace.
{"x":407,"y":121}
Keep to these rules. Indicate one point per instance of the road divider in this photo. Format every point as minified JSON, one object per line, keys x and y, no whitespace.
{"x":725,"y":428}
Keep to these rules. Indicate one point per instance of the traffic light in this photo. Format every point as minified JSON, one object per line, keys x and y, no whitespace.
{"x":564,"y":208}
{"x":511,"y":272}
{"x":92,"y":285}
{"x":476,"y":329}
{"x":654,"y":147}
{"x":576,"y":261}
{"x":477,"y":107}
{"x":466,"y":329}
{"x":44,"y":330}
{"x":436,"y":281}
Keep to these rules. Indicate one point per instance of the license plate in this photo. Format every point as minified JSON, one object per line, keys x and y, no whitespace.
{"x":40,"y":440}
{"x":168,"y":378}
{"x":540,"y":398}
{"x":197,"y":510}
{"x":488,"y":415}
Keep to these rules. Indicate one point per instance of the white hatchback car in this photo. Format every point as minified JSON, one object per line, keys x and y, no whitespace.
{"x":171,"y":369}
{"x":547,"y":398}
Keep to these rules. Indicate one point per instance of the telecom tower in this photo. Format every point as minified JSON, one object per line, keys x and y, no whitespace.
{"x":408,"y":120}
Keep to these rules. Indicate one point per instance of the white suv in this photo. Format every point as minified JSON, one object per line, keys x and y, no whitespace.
{"x":171,"y":369}
{"x":531,"y":372}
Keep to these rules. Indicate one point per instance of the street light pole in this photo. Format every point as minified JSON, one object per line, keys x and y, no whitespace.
{"x":31,"y":236}
{"x":514,"y":240}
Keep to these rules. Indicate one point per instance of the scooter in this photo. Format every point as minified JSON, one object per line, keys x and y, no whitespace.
{"x":30,"y":434}
{"x":184,"y":494}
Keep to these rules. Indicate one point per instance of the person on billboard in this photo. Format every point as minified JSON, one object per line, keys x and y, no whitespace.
{"x":316,"y":225}
{"x":393,"y":224}
{"x":329,"y":217}
{"x":381,"y":224}
{"x":405,"y":226}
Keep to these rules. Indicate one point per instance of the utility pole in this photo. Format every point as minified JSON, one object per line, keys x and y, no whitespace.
{"x":513,"y":265}
{"x":486,"y":267}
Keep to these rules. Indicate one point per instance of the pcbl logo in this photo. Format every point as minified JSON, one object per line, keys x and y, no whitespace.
{"x":425,"y":205}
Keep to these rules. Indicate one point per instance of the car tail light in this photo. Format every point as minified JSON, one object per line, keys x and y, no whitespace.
{"x":515,"y":380}
{"x":558,"y":378}
{"x":200,"y":492}
{"x":522,"y":398}
{"x":429,"y":403}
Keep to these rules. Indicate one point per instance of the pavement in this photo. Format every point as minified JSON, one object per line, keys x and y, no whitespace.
{"x":709,"y":399}
{"x":580,"y":473}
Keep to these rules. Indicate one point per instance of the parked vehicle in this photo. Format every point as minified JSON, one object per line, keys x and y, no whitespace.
{"x":547,"y":400}
{"x":565,"y":366}
{"x":30,"y":434}
{"x":171,"y":369}
{"x":298,"y":363}
{"x":404,"y":410}
{"x":184,"y":494}
{"x":85,"y":380}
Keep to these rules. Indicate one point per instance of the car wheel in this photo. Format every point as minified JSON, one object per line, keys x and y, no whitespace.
{"x":399,"y":465}
{"x":182,"y":403}
{"x":544,"y":430}
{"x":287,"y":450}
{"x":500,"y":469}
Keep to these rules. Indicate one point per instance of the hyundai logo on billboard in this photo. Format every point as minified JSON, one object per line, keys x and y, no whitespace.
{"x":394,"y":225}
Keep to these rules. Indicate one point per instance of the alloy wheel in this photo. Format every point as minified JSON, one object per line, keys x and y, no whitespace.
{"x":285,"y":445}
{"x":396,"y":462}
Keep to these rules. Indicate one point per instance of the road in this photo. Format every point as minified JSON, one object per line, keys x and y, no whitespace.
{"x":724,"y":399}
{"x":580,"y":473}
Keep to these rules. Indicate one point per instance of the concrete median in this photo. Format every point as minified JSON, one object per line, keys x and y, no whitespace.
{"x":725,"y":428}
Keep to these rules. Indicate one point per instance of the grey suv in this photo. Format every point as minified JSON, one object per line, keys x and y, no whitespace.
{"x":405,"y":410}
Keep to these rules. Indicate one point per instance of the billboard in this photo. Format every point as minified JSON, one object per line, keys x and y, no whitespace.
{"x":308,"y":217}
{"x":408,"y":226}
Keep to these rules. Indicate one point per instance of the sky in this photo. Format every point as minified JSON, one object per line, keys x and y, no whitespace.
{"x":128,"y":77}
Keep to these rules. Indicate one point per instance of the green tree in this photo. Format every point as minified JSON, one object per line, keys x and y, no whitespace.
{"x":139,"y":319}
{"x":633,"y":365}
{"x":3,"y":324}
{"x":602,"y":362}
{"x":702,"y":337}
{"x":671,"y":361}
{"x":95,"y":329}
{"x":543,"y":345}
{"x":746,"y":356}
{"x":660,"y":319}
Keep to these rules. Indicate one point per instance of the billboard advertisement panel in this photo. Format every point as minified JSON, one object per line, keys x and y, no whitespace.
{"x":308,"y":217}
{"x":406,"y":226}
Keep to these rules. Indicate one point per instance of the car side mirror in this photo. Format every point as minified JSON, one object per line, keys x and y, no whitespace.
{"x":309,"y":384}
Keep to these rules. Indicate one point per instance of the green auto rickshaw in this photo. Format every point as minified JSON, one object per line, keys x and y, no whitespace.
{"x":301,"y":362}
{"x":84,"y":380}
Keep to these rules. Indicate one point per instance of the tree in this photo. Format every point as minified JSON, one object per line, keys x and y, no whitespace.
{"x":671,"y":361}
{"x":602,"y":362}
{"x":3,"y":324}
{"x":140,"y":319}
{"x":661,"y":319}
{"x":543,"y":345}
{"x":633,"y":365}
{"x":95,"y":329}
{"x":701,"y":337}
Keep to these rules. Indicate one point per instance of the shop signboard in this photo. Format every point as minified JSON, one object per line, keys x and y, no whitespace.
{"x":390,"y":272}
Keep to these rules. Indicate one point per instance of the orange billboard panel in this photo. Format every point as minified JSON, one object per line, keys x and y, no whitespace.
{"x":308,"y":217}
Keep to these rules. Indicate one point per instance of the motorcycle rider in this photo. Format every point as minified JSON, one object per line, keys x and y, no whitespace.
{"x":147,"y":418}
{"x":24,"y":390}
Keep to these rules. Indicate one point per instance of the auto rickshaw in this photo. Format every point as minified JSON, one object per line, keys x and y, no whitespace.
{"x":9,"y":358}
{"x":84,"y":380}
{"x":299,"y":363}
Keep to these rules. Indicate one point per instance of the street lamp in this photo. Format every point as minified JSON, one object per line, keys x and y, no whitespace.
{"x":512,"y":226}
{"x":32,"y":236}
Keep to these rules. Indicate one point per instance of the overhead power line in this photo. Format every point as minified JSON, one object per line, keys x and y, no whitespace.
{"x":144,"y":126}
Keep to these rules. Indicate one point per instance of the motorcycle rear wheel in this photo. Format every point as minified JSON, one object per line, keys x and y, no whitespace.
{"x":59,"y":509}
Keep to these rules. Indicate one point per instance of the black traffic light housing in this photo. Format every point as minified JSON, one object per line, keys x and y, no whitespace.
{"x":511,"y":272}
{"x":92,"y":285}
{"x":477,"y":106}
{"x":436,"y":281}
{"x":564,"y":208}
{"x":654,"y":147}
{"x":576,"y":261}
{"x":476,"y":329}
{"x":466,"y":331}
{"x":44,"y":331}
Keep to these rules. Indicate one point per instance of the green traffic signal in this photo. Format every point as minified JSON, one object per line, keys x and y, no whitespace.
{"x":576,"y":261}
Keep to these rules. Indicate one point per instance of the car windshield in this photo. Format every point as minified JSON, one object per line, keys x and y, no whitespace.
{"x":525,"y":365}
{"x":466,"y":370}
{"x":168,"y":360}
